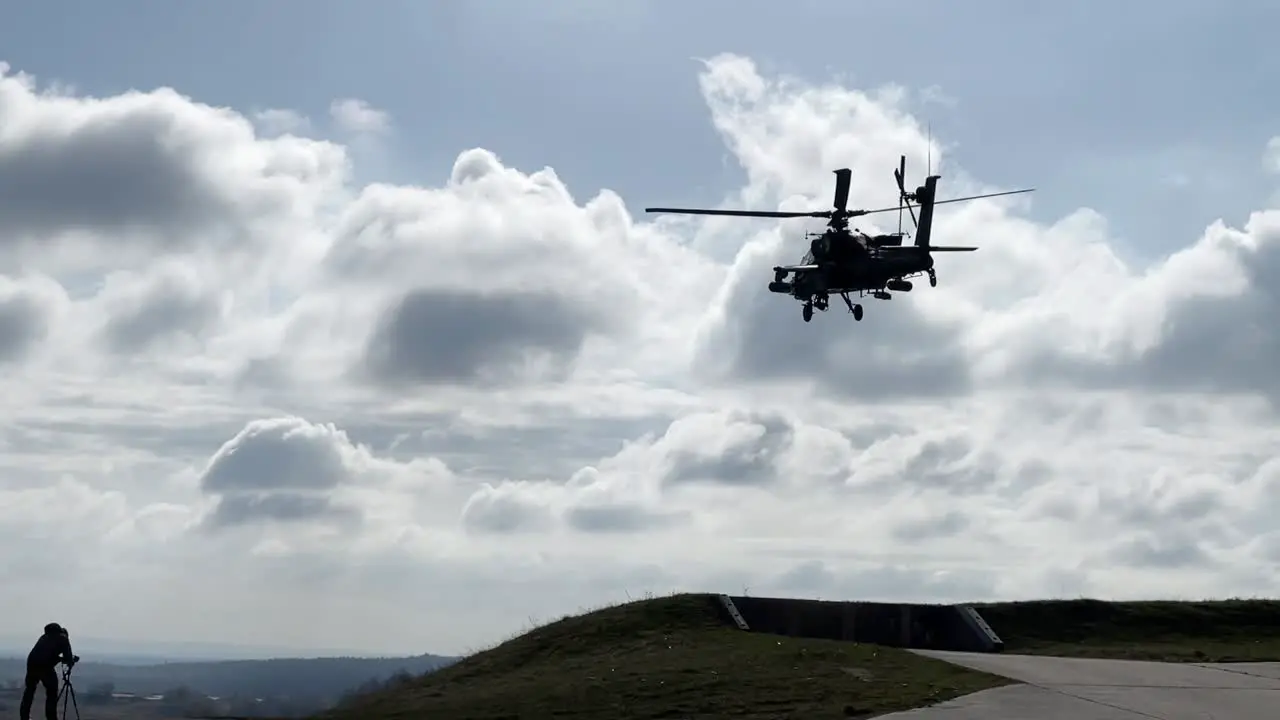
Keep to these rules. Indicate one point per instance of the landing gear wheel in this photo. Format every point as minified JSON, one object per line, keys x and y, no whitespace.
{"x":808,"y":312}
{"x":857,"y":313}
{"x":933,"y":279}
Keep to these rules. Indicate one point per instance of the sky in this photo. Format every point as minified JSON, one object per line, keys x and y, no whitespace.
{"x":338,"y":325}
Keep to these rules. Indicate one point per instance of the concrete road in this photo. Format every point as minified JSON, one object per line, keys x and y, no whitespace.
{"x":1082,"y":689}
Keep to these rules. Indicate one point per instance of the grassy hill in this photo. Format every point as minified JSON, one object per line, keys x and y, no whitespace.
{"x":670,"y":657}
{"x":675,"y":657}
{"x":1206,"y":631}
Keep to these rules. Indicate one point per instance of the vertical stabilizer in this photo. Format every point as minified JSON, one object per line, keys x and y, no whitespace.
{"x":925,"y":197}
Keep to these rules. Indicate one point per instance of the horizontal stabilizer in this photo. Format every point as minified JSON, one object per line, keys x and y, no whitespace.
{"x":950,"y":248}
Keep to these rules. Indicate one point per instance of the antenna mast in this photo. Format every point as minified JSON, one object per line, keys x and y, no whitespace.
{"x":928,"y":148}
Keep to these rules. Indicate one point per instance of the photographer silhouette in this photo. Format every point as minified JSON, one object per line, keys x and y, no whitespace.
{"x":52,"y":648}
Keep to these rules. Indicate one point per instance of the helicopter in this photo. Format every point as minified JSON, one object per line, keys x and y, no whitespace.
{"x":843,"y":261}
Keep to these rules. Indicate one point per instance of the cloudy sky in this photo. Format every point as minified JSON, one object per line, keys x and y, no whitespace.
{"x":335,"y":325}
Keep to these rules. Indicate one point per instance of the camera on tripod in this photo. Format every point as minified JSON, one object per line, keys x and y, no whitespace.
{"x":68,"y":691}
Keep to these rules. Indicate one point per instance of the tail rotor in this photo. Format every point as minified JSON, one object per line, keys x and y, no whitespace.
{"x":904,"y":198}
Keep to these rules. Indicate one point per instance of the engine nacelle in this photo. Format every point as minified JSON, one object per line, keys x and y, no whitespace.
{"x":894,"y":240}
{"x":899,"y":285}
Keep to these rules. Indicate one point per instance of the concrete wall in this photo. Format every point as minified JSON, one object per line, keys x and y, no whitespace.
{"x":936,"y":627}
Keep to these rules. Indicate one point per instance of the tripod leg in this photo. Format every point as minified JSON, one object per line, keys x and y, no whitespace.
{"x":71,"y":694}
{"x":68,"y":692}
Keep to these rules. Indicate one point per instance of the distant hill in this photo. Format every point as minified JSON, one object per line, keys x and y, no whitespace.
{"x":320,"y":681}
{"x":136,"y":652}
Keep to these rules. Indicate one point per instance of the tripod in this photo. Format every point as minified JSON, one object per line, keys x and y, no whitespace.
{"x":68,"y":692}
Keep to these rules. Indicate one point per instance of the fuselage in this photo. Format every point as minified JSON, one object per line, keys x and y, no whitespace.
{"x":846,"y":264}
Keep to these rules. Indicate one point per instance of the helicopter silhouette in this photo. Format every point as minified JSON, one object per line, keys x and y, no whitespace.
{"x":845,"y":261}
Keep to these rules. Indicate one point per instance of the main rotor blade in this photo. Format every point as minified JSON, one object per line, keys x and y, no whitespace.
{"x":843,"y":178}
{"x":988,"y":195}
{"x":952,"y":200}
{"x":821,"y":213}
{"x":738,"y":213}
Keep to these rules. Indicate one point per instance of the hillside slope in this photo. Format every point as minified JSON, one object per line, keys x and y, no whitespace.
{"x":671,"y":657}
{"x":1173,"y":631}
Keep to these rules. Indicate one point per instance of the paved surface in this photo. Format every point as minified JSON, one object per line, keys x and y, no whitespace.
{"x":1083,"y":689}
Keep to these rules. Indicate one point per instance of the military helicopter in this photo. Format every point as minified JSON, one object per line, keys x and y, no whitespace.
{"x":843,"y":261}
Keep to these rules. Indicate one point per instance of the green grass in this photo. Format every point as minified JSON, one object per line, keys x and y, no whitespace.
{"x":1208,"y":631}
{"x":674,"y":658}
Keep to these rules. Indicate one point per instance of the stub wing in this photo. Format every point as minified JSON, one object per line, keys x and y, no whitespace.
{"x":793,"y":268}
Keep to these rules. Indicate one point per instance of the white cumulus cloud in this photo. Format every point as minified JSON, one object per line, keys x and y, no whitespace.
{"x":358,"y":116}
{"x":237,"y":377}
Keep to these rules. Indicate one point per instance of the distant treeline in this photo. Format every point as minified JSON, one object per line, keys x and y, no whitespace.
{"x":318,"y":680}
{"x":356,"y":694}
